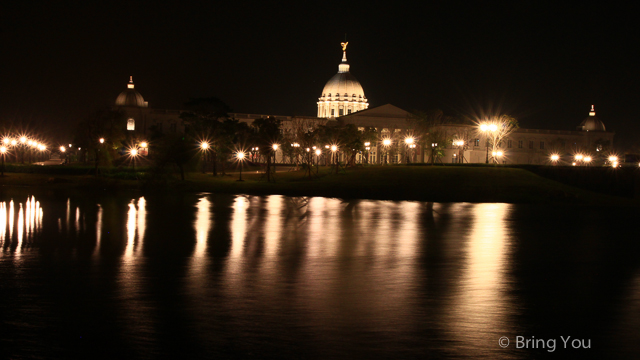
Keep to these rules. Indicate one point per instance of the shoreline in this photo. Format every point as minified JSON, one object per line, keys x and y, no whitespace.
{"x":430,"y":184}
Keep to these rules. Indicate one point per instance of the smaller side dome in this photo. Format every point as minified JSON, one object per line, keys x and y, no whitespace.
{"x":591,"y":123}
{"x":130,"y":97}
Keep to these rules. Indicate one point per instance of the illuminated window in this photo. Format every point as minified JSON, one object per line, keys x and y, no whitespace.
{"x":349,"y":111}
{"x":131,"y":124}
{"x":476,"y":142}
{"x":361,"y":129}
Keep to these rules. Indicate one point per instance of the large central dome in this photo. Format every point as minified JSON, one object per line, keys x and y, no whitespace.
{"x":592,"y":123}
{"x":131,"y":97}
{"x":343,"y":94}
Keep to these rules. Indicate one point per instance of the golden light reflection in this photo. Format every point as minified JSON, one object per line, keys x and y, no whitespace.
{"x":20,"y":228}
{"x":29,"y":221}
{"x":136,"y":223}
{"x":98,"y":230}
{"x":3,"y":221}
{"x":273,"y":224}
{"x":131,"y":230}
{"x":77,"y":220}
{"x":482,"y":294}
{"x":202,"y":226}
{"x":141,"y":218}
{"x":68,"y":213}
{"x":11,"y":219}
{"x":238,"y":232}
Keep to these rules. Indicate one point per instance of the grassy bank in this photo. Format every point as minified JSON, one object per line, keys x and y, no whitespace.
{"x":438,"y":184}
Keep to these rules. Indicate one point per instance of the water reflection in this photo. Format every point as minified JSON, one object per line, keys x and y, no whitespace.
{"x":136,"y":225}
{"x":479,"y":312}
{"x":18,"y":235}
{"x":98,"y":230}
{"x":294,"y":277}
{"x":202,"y":227}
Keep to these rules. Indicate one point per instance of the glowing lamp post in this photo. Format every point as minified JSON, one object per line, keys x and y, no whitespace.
{"x":134,"y":154}
{"x":334,"y":149}
{"x":275,"y":151}
{"x":488,"y":128}
{"x":204,"y":146}
{"x":410,"y":145}
{"x":613,"y":160}
{"x":460,"y":145}
{"x":386,"y":143}
{"x":240,"y":157}
{"x":3,"y":150}
{"x":101,"y":141}
{"x":555,"y":158}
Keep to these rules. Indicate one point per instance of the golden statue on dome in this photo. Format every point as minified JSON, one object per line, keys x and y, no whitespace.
{"x":344,"y":46}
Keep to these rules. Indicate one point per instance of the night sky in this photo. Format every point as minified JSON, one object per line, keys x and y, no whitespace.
{"x":544,"y":64}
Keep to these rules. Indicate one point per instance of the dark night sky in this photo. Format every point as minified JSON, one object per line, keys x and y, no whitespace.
{"x":545,"y":64}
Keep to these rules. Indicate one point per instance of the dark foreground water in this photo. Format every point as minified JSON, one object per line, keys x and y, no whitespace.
{"x":217,"y":276}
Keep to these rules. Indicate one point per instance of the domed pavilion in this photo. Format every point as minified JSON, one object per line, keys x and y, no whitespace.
{"x":343,"y":94}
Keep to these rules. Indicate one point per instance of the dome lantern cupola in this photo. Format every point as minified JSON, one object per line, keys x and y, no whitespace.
{"x":343,"y":94}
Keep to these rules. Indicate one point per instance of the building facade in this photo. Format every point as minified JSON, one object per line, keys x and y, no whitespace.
{"x":343,"y":100}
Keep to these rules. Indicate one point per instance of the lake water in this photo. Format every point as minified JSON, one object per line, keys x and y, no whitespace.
{"x":218,"y":276}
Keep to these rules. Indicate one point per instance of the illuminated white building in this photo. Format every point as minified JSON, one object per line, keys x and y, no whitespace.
{"x":343,"y":94}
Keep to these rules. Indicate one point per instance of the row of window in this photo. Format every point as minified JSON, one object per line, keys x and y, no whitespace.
{"x":131,"y":126}
{"x":510,"y":144}
{"x":340,"y":112}
{"x":345,"y":95}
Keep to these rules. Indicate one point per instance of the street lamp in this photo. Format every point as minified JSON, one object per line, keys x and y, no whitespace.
{"x":367,"y":147}
{"x":410,"y":145}
{"x":386,"y":143}
{"x":275,"y":150}
{"x":204,"y":146}
{"x":318,"y":153}
{"x":101,"y":141}
{"x":240,"y":157}
{"x":134,"y":154}
{"x":3,"y":150}
{"x":334,"y":148}
{"x":555,"y":158}
{"x":460,"y":145}
{"x":613,"y":160}
{"x":488,"y":128}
